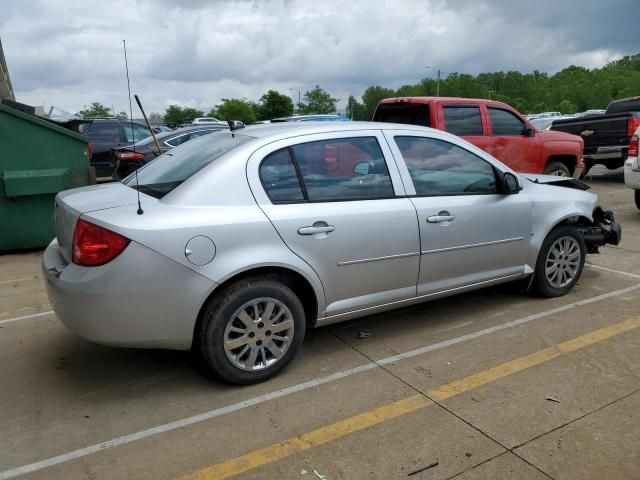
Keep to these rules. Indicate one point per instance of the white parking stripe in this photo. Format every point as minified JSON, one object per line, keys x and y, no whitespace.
{"x":125,"y":439}
{"x":611,"y":270}
{"x":24,"y":317}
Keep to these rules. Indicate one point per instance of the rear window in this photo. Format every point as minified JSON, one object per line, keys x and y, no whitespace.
{"x":621,"y":106}
{"x":166,"y":172}
{"x":463,"y":120}
{"x":105,"y":132}
{"x":408,"y":113}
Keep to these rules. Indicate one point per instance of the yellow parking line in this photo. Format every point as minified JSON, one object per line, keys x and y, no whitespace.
{"x":263,"y":456}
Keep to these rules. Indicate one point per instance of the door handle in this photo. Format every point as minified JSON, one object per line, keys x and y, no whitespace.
{"x":442,"y":217}
{"x":317,"y":227}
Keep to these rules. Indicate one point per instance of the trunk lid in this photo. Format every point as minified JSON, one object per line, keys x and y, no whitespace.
{"x":70,"y":204}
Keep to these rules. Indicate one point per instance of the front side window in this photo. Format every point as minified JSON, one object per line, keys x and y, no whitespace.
{"x":504,"y":122}
{"x":463,"y":120}
{"x":343,"y":169}
{"x":279,"y":177}
{"x":442,"y":168}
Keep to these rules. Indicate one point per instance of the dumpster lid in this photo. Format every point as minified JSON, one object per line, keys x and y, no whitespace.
{"x":43,"y":123}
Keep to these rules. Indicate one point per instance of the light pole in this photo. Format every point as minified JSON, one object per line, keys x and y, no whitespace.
{"x":298,"y":90}
{"x":437,"y":81}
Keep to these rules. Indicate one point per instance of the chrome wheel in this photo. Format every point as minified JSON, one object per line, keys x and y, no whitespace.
{"x":558,"y":173}
{"x":258,"y":334}
{"x":563,"y":262}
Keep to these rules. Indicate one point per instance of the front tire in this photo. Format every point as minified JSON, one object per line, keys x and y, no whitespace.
{"x":560,"y":262}
{"x":557,"y":169}
{"x":251,"y":330}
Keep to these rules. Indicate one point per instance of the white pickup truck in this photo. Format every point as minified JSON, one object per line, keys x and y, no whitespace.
{"x":632,"y":167}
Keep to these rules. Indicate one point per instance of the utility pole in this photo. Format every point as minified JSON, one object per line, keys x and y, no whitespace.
{"x":438,"y":85}
{"x":299,"y":99}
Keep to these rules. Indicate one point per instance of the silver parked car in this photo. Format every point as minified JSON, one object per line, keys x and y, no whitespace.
{"x":246,"y":238}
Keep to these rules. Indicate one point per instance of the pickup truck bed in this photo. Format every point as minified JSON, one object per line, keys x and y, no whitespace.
{"x":606,"y":137}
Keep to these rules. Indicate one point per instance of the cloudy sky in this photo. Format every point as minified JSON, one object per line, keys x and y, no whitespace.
{"x":195,"y":52}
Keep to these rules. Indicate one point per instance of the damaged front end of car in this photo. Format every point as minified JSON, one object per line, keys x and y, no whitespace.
{"x":603,"y":230}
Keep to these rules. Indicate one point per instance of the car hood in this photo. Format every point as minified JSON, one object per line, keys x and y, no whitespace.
{"x":555,"y":180}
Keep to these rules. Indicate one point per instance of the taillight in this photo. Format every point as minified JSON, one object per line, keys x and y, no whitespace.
{"x":94,"y":245}
{"x":632,"y":125}
{"x":633,"y":147}
{"x":89,"y":150}
{"x":129,"y":156}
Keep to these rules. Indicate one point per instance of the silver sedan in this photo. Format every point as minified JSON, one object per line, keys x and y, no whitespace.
{"x":235,"y":243}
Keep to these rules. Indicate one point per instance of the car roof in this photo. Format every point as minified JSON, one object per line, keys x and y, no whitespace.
{"x":287,"y":129}
{"x":439,"y":99}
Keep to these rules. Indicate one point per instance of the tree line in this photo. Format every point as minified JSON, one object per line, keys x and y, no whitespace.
{"x":573,"y":89}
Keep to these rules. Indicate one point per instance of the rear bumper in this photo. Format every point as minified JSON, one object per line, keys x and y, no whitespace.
{"x":140,"y":299}
{"x":632,"y":173}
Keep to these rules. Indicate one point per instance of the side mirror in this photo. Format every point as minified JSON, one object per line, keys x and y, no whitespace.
{"x":510,"y":184}
{"x":529,"y":132}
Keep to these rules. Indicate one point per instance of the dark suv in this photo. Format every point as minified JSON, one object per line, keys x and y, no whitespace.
{"x":108,"y":133}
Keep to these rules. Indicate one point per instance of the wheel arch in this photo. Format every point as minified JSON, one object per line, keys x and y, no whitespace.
{"x":570,"y":161}
{"x":312,"y":300}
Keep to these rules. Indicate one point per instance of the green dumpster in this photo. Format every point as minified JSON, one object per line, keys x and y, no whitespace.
{"x":38,"y":159}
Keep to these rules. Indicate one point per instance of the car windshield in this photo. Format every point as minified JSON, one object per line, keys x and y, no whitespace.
{"x":166,"y":172}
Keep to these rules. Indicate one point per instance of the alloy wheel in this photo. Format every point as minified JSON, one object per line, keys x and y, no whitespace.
{"x":258,"y":334}
{"x":563,"y":261}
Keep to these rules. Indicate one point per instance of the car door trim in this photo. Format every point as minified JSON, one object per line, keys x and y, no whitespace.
{"x":472,"y":245}
{"x":377,"y":259}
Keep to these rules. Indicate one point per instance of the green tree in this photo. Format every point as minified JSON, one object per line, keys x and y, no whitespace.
{"x":539,"y":107}
{"x":122,"y":115}
{"x":236,"y":109}
{"x":179,"y":115}
{"x":356,"y":110}
{"x":273,"y":105}
{"x":96,"y":109}
{"x":371,"y":97}
{"x":318,"y":101}
{"x":566,"y":106}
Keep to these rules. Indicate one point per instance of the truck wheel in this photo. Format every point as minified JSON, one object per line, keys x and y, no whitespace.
{"x":560,"y":262}
{"x":636,"y":197}
{"x":250,"y":331}
{"x":557,"y":169}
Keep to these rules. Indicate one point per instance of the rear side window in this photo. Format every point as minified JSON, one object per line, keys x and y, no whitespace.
{"x":179,"y":140}
{"x":326,"y":171}
{"x":442,"y":168}
{"x":407,"y":113}
{"x":105,"y":132}
{"x":279,"y":177}
{"x":343,"y":169}
{"x":504,"y":122}
{"x":463,"y":120}
{"x":135,"y":132}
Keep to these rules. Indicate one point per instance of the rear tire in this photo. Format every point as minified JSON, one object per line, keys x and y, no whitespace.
{"x":250,"y":330}
{"x":558,"y":169}
{"x":636,"y":197}
{"x":560,"y":262}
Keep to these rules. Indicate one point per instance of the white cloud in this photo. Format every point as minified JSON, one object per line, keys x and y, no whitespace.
{"x":197,"y":52}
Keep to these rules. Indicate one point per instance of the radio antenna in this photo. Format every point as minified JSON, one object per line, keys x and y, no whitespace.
{"x":126,"y":64}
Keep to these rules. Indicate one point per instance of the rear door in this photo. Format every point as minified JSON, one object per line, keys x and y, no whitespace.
{"x":510,"y":143}
{"x":105,"y":135}
{"x":466,"y":121}
{"x":469,"y":233}
{"x":339,"y":204}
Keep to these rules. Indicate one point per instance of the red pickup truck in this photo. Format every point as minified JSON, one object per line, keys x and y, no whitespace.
{"x":494,"y":127}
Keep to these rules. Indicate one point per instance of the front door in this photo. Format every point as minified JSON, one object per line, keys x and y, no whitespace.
{"x":339,"y":205}
{"x":470,"y":233}
{"x":510,"y":143}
